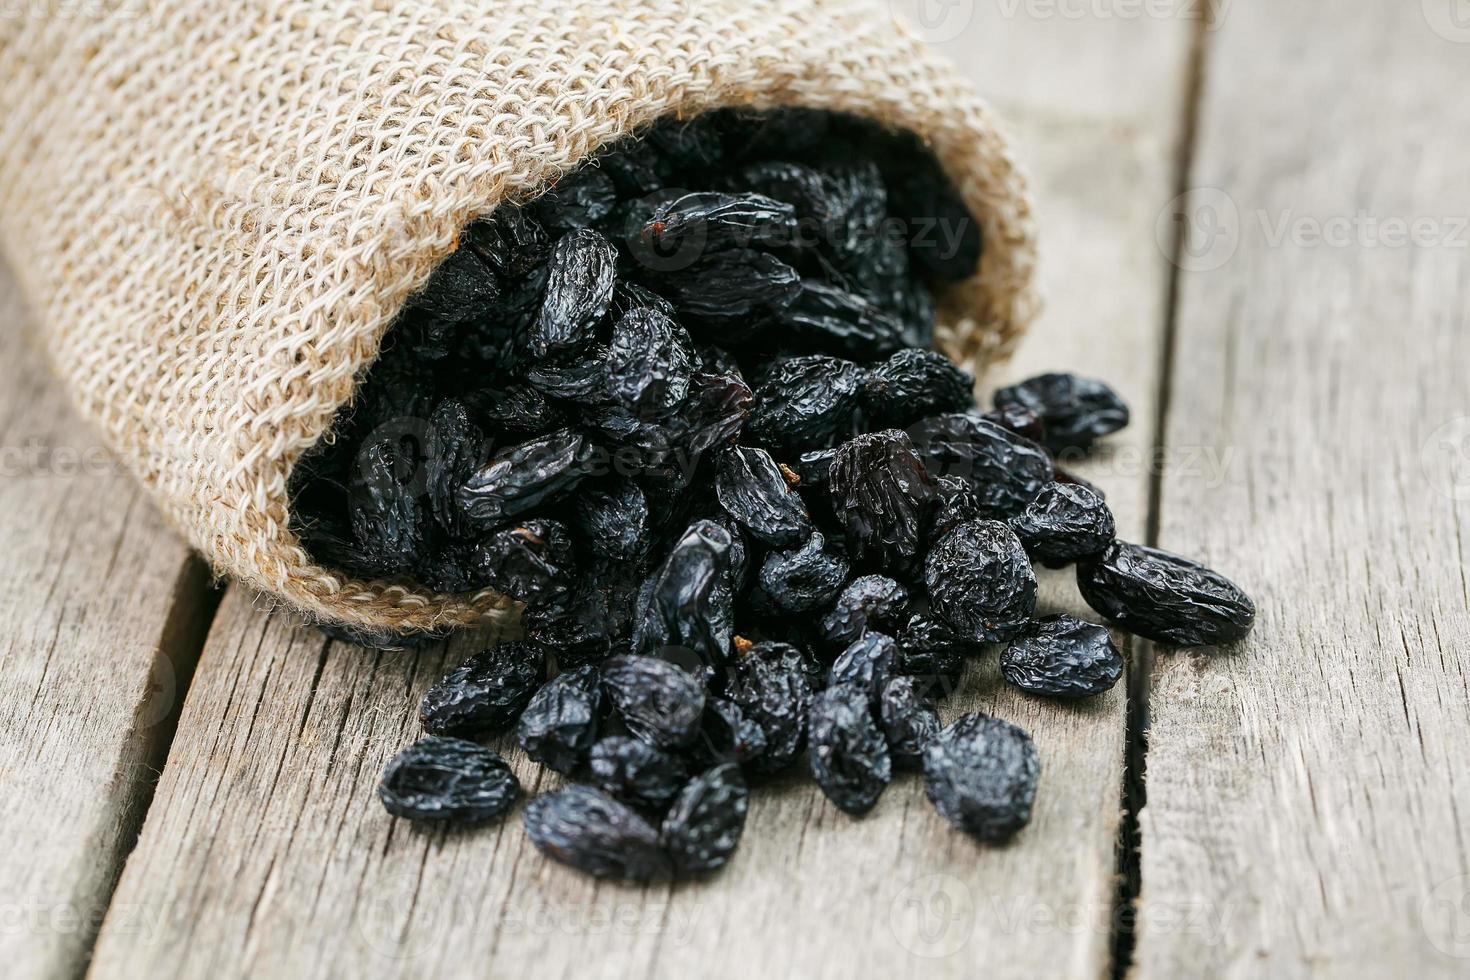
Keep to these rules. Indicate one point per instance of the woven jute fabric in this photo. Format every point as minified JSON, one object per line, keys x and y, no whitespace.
{"x":216,"y":207}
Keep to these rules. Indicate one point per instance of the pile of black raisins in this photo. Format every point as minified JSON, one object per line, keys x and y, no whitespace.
{"x":682,"y":407}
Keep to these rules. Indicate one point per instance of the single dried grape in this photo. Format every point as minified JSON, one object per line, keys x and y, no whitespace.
{"x":1064,"y":524}
{"x":803,"y":579}
{"x":1062,"y":657}
{"x":576,"y":201}
{"x":726,"y":735}
{"x":805,"y":403}
{"x":980,"y":582}
{"x":847,"y":751}
{"x":754,"y":492}
{"x":635,"y":772}
{"x":771,"y":687}
{"x":882,"y":494}
{"x":867,"y":664}
{"x":526,"y":477}
{"x":710,"y":220}
{"x":913,"y":385}
{"x":659,"y":702}
{"x":531,"y":562}
{"x":613,"y":519}
{"x":448,"y":779}
{"x":703,"y":827}
{"x":929,"y":652}
{"x":516,"y":409}
{"x":388,"y":518}
{"x":592,"y":832}
{"x":831,"y":320}
{"x":872,"y":602}
{"x":649,"y":363}
{"x":909,"y":720}
{"x":687,"y":607}
{"x":455,"y":447}
{"x":730,"y":292}
{"x":579,"y":288}
{"x":1020,"y":420}
{"x":461,"y":288}
{"x":955,"y":502}
{"x":981,"y":773}
{"x":1076,"y":411}
{"x":1005,"y":470}
{"x":1164,"y":597}
{"x":510,"y":241}
{"x":559,"y":724}
{"x":594,"y":620}
{"x":486,"y":694}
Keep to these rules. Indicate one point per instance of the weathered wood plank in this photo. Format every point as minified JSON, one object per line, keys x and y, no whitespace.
{"x":1307,"y":792}
{"x":100,"y":622}
{"x":268,"y":853}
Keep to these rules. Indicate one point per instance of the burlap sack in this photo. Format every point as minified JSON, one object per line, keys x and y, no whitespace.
{"x":216,"y":207}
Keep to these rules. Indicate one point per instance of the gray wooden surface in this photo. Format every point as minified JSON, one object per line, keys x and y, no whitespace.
{"x":1301,"y":420}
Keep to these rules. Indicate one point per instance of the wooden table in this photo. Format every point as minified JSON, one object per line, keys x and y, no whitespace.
{"x":186,"y":784}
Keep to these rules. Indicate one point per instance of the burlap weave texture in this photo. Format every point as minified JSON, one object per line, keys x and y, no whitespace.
{"x":216,"y":207}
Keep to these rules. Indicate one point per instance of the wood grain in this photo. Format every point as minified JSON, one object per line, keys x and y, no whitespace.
{"x":101,"y":611}
{"x":266,"y":852}
{"x":1308,"y":795}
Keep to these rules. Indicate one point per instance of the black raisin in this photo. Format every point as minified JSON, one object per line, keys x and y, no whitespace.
{"x":726,"y":735}
{"x":448,"y":779}
{"x":388,"y":517}
{"x":688,"y":606}
{"x":867,"y":664}
{"x":658,"y":701}
{"x":981,"y":773}
{"x":532,"y":562}
{"x":980,"y":582}
{"x":1062,"y":657}
{"x":803,"y":579}
{"x":909,"y":720}
{"x":931,"y":654}
{"x":526,"y":477}
{"x":592,"y":832}
{"x":576,"y":201}
{"x":831,"y":320}
{"x":710,"y":220}
{"x":870,"y":602}
{"x":1064,"y":524}
{"x":805,"y":403}
{"x":1076,"y":411}
{"x":753,"y":491}
{"x":1006,"y":470}
{"x":486,"y":694}
{"x":1164,"y":597}
{"x":847,"y":751}
{"x":913,"y":385}
{"x":461,"y":288}
{"x":704,"y":826}
{"x":882,"y":493}
{"x":579,"y":289}
{"x":559,"y":724}
{"x":636,"y":772}
{"x":771,"y":686}
{"x":613,"y":519}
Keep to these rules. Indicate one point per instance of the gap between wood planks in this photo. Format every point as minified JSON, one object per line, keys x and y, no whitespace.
{"x":1141,"y":652}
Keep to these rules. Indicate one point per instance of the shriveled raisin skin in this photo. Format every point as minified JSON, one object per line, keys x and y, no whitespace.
{"x":805,"y":403}
{"x":614,"y":520}
{"x":980,"y":582}
{"x":883,"y":495}
{"x":689,"y":605}
{"x":915,"y":384}
{"x":771,"y":687}
{"x":868,"y":602}
{"x":389,"y":520}
{"x":588,"y":830}
{"x":803,"y":579}
{"x":909,"y":720}
{"x":867,"y":664}
{"x":704,"y":826}
{"x":1064,"y":524}
{"x":1005,"y":470}
{"x":579,"y":289}
{"x":726,"y":735}
{"x":832,"y":320}
{"x":847,"y":751}
{"x":1062,"y":657}
{"x":532,"y":562}
{"x":486,"y":694}
{"x":635,"y":772}
{"x":1165,"y":597}
{"x":1076,"y":411}
{"x":981,"y":774}
{"x":525,"y":477}
{"x":659,"y":702}
{"x":753,"y":491}
{"x":559,"y":725}
{"x":448,"y":779}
